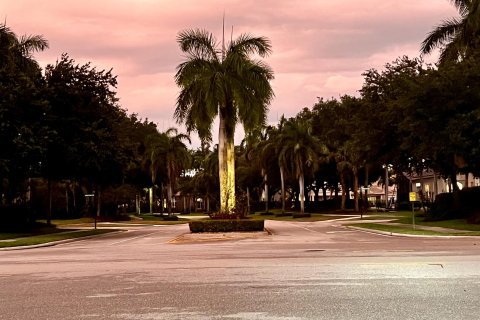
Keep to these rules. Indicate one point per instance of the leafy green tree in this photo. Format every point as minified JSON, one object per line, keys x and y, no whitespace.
{"x":457,"y":36}
{"x":389,"y":92}
{"x":226,"y":82}
{"x":442,"y":112}
{"x":86,"y":118}
{"x":22,"y":106}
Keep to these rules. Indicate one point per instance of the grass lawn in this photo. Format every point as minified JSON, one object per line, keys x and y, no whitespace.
{"x":409,"y":230}
{"x":459,"y":224}
{"x":146,"y":219}
{"x":22,"y":239}
{"x":406,"y":218}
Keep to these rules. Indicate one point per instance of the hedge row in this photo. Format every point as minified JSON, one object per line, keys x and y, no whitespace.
{"x":226,"y":225}
{"x":16,"y":218}
{"x":459,"y":205}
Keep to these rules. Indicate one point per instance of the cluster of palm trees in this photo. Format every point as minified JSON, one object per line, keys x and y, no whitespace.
{"x":224,"y":81}
{"x":292,"y":148}
{"x":168,"y":156}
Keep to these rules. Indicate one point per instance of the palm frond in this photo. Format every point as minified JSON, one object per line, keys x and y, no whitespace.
{"x":198,"y":43}
{"x":441,"y":35}
{"x":35,"y":43}
{"x":245,"y":45}
{"x":462,"y":6}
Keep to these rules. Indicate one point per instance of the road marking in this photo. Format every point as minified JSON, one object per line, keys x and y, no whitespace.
{"x":134,"y":238}
{"x":304,"y":228}
{"x":341,"y":231}
{"x":103,"y":295}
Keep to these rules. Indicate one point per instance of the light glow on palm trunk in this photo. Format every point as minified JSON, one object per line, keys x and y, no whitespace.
{"x":226,"y":167}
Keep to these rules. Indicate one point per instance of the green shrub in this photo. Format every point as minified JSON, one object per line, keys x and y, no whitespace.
{"x":265,"y":213}
{"x":463,"y":204}
{"x":285,"y":214}
{"x":15,"y":218}
{"x":226,"y":225}
{"x":170,"y":218}
{"x":301,"y":215}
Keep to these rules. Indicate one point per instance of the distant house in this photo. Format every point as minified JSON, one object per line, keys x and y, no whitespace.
{"x":376,"y":194}
{"x":432,"y":184}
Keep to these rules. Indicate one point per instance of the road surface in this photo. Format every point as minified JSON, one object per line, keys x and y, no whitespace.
{"x":316,"y":270}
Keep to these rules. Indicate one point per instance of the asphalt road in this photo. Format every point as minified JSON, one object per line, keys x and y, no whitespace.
{"x":302,"y":271}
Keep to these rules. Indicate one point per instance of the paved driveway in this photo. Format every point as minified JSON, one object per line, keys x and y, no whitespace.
{"x":316,"y":270}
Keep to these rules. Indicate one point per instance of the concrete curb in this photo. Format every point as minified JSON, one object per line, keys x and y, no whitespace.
{"x":54,"y":243}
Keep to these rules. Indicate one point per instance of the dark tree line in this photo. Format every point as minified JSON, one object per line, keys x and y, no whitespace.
{"x":65,"y":129}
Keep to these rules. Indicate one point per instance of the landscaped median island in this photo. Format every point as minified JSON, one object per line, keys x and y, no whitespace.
{"x":224,"y":225}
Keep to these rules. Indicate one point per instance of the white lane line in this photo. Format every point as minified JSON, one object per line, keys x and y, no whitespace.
{"x":304,"y":228}
{"x":134,"y":238}
{"x":340,"y":231}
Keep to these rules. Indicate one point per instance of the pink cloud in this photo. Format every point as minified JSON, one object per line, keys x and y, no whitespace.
{"x":320,"y":47}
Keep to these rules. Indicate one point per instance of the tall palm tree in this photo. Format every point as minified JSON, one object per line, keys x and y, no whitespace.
{"x":172,"y":153}
{"x":226,"y":82}
{"x":262,"y":151}
{"x":457,"y":36}
{"x":299,"y":152}
{"x":281,"y":164}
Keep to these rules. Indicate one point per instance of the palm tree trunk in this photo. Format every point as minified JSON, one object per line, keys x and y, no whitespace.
{"x":150,"y":199}
{"x":137,"y":204}
{"x":231,"y":173}
{"x":226,"y":167}
{"x":169,"y":198}
{"x":355,"y":187}
{"x":222,"y":165}
{"x":49,"y":213}
{"x":74,"y":196}
{"x":301,"y":193}
{"x":282,"y":182}
{"x":265,"y":189}
{"x":248,"y":200}
{"x":67,"y":202}
{"x":99,"y":200}
{"x":344,"y":190}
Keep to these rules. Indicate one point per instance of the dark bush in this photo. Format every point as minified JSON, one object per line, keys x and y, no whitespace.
{"x":224,"y":216}
{"x":265,"y":213}
{"x":285,"y":214}
{"x":464,"y":204}
{"x":16,"y":218}
{"x":226,"y":225}
{"x":301,"y":215}
{"x":467,"y":202}
{"x":442,"y":207}
{"x":170,"y":218}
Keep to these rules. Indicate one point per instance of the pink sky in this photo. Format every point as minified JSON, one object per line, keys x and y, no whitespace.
{"x":320,"y":48}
